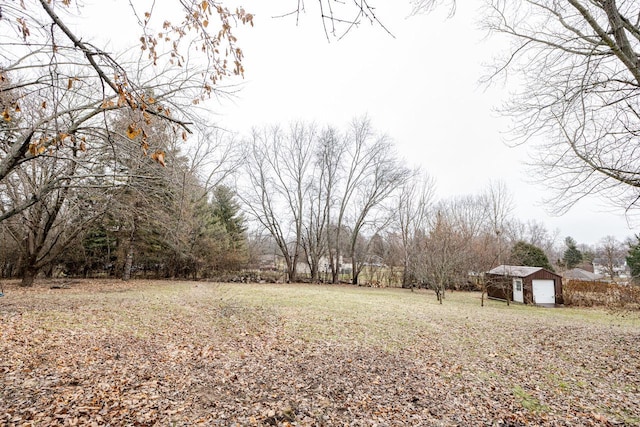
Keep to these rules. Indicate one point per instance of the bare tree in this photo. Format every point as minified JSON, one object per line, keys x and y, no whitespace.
{"x":370,"y":173}
{"x":214,"y":156}
{"x":443,"y":252}
{"x":318,"y":209}
{"x":500,"y":206}
{"x":470,"y":214}
{"x":414,"y":201}
{"x":464,"y":237}
{"x":278,"y":165}
{"x":52,"y":223}
{"x":490,"y":246}
{"x":338,"y":17}
{"x":197,"y":170}
{"x":580,"y":79}
{"x":56,"y":87}
{"x":319,"y":192}
{"x":611,"y":252}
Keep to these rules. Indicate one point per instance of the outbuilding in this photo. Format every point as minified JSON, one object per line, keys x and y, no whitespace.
{"x":582,"y":275}
{"x":527,"y":285}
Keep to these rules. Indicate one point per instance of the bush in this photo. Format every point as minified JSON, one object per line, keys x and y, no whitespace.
{"x":611,"y":295}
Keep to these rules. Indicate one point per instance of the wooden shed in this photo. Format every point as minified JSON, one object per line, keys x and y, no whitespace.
{"x":527,"y":285}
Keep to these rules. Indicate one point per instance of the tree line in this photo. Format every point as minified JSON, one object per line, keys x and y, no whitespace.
{"x":324,"y":200}
{"x":118,"y":210}
{"x":107,"y":164}
{"x":85,"y":133}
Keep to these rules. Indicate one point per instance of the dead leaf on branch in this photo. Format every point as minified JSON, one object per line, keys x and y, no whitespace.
{"x":158,"y":157}
{"x":36,"y":149}
{"x":24,"y":28}
{"x":133,"y":131}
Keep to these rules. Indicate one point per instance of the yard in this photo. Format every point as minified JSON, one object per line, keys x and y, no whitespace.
{"x":188,"y":353}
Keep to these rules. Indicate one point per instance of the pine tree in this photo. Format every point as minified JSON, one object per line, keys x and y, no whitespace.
{"x":524,"y":253}
{"x":572,"y":256}
{"x":228,"y":218}
{"x":633,"y":259}
{"x":226,"y":212}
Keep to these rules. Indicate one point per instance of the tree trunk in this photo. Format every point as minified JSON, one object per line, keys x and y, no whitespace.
{"x":48,"y":272}
{"x":335,"y":268}
{"x":128,"y":264}
{"x":291,"y":270}
{"x":440,"y":292}
{"x":315,"y":273}
{"x":28,"y":276}
{"x":335,"y":276}
{"x":354,"y":271}
{"x":405,"y":274}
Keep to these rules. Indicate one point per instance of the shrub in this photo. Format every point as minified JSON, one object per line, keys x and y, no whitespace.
{"x":611,"y":295}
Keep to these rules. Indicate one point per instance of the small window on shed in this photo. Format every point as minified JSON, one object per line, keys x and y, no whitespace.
{"x":518,"y":285}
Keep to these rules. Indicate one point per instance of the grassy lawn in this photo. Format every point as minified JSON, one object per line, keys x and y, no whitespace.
{"x":188,"y":353}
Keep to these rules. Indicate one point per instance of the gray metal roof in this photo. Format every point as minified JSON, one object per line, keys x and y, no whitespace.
{"x":580,"y":274}
{"x":514,"y":270}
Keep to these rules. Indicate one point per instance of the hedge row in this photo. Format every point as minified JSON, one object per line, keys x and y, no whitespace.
{"x":610,"y":295}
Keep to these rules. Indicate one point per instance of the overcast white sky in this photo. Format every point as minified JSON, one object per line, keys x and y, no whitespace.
{"x":420,"y":87}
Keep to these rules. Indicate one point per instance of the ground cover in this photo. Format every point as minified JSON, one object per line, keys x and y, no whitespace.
{"x":189,"y":353}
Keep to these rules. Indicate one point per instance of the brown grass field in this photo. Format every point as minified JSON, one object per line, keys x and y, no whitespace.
{"x":147,"y":353}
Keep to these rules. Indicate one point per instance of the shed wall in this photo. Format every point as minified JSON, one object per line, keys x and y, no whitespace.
{"x":501,"y":287}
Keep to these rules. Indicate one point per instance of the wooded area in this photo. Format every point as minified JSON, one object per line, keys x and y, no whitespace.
{"x":109,"y":168}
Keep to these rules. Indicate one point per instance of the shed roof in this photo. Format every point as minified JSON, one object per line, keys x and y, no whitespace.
{"x":515,"y":270}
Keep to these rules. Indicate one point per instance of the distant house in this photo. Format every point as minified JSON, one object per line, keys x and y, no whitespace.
{"x":581,"y":274}
{"x":527,"y":285}
{"x":620,"y":268}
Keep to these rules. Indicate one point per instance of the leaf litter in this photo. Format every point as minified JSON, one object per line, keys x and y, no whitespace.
{"x":187,"y":353}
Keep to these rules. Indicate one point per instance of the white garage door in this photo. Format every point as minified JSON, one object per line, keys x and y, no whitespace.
{"x":544,"y":292}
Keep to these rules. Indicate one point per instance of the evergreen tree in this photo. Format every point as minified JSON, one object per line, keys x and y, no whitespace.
{"x":572,"y":256}
{"x":524,"y":253}
{"x":633,"y":259}
{"x":230,"y":228}
{"x":226,"y":212}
